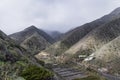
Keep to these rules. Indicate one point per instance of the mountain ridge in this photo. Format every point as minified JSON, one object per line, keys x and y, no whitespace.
{"x":26,"y":39}
{"x":79,"y":32}
{"x":87,"y":40}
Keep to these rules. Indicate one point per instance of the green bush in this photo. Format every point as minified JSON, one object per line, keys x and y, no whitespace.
{"x":36,"y":73}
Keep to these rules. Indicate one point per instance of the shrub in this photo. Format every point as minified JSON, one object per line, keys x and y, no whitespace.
{"x":37,"y":73}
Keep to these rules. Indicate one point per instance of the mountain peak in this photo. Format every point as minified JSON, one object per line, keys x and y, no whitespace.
{"x":32,"y":28}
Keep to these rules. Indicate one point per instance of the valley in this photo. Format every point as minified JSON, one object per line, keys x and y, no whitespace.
{"x":87,"y":52}
{"x":96,"y":48}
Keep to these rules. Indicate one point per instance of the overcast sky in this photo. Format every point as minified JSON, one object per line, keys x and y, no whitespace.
{"x":61,"y":15}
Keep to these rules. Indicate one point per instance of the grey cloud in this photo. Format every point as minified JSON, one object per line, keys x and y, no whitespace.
{"x":61,"y":15}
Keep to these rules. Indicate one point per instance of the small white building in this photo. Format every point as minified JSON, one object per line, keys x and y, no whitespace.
{"x":82,"y":56}
{"x":105,"y":70}
{"x":89,"y":58}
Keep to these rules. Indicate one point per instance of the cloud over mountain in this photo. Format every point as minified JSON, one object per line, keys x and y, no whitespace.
{"x":16,"y":15}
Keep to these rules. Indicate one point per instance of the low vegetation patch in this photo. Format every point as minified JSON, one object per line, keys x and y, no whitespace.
{"x":37,"y":73}
{"x":92,"y":78}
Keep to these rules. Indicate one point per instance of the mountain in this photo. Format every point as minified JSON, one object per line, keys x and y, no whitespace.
{"x":13,"y":58}
{"x":98,"y":41}
{"x":97,"y":38}
{"x":108,"y":56}
{"x":56,"y":35}
{"x":100,"y":46}
{"x":74,"y":35}
{"x":86,"y":35}
{"x":33,"y":39}
{"x":28,"y":32}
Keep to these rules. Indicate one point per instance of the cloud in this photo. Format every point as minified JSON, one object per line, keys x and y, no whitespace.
{"x":61,"y":15}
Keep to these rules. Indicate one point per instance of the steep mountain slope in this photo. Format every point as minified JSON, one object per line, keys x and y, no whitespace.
{"x":78,"y":33}
{"x":6,"y":47}
{"x":89,"y":37}
{"x":13,"y":58}
{"x":28,"y":32}
{"x":96,"y":38}
{"x":51,"y":53}
{"x":33,"y":39}
{"x":108,"y":56}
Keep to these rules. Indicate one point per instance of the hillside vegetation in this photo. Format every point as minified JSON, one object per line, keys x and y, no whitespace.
{"x":14,"y":59}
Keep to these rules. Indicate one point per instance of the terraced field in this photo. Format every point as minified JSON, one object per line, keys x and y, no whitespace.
{"x":68,"y":73}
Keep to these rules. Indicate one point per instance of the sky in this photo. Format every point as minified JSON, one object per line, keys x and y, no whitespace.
{"x":60,"y":15}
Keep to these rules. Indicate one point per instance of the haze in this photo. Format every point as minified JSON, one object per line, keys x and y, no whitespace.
{"x":61,"y":15}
